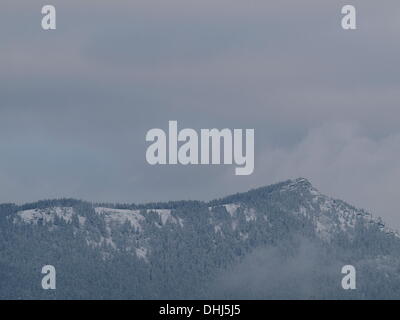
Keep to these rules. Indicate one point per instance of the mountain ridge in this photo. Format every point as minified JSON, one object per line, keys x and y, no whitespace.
{"x":231,"y":203}
{"x":200,"y":242}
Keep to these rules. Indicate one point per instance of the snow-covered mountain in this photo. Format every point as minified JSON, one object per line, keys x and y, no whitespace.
{"x":182,"y":249}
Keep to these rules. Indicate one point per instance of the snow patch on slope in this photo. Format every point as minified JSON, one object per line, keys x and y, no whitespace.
{"x":47,"y":215}
{"x":120,"y":216}
{"x":231,"y":208}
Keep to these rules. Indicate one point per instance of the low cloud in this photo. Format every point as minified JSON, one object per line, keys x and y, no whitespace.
{"x":342,"y":160}
{"x":275,"y":273}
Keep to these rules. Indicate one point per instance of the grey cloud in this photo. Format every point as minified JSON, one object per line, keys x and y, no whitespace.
{"x":277,"y":273}
{"x":343,"y":161}
{"x":76,"y":104}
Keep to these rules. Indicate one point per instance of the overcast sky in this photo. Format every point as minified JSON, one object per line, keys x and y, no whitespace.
{"x":76,"y":103}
